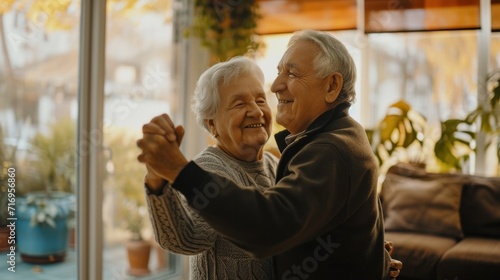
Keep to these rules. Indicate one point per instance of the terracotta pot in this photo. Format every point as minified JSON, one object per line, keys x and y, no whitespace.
{"x":138,"y":252}
{"x":4,"y":239}
{"x":72,"y":238}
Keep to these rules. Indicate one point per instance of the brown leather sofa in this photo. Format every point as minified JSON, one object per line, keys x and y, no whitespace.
{"x":443,"y":226}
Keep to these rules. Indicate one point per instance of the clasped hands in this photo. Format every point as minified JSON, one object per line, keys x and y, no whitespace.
{"x":160,"y":150}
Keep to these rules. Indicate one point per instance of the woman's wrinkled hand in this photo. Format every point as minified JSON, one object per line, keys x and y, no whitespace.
{"x":160,"y":149}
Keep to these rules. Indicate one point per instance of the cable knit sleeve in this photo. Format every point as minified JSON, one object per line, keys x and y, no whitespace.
{"x":176,"y":227}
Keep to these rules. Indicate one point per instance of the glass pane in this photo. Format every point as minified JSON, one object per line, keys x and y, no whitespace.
{"x":139,"y":85}
{"x":495,"y":51}
{"x":38,"y":109}
{"x":492,"y":157}
{"x":384,"y":16}
{"x":288,"y":16}
{"x":434,"y":72}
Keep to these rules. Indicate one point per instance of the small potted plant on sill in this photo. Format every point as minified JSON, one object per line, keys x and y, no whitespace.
{"x":138,"y":249}
{"x":45,"y":197}
{"x":125,"y":182}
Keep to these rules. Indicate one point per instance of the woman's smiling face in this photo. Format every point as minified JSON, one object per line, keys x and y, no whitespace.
{"x":243,"y":121}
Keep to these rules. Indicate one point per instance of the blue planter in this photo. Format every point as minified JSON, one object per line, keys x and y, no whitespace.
{"x":41,"y":242}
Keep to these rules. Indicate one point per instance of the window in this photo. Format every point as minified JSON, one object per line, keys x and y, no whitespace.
{"x":39,"y":46}
{"x":39,"y":116}
{"x":140,"y":83}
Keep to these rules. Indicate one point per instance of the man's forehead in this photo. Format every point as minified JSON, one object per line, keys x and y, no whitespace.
{"x":290,"y":57}
{"x":289,"y":65}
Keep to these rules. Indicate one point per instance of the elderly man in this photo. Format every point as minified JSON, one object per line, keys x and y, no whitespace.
{"x":322,"y":219}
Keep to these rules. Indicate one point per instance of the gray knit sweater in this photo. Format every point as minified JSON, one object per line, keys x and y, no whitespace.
{"x":179,"y":229}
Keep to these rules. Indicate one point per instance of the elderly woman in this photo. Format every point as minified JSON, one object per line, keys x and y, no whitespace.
{"x":230,"y":103}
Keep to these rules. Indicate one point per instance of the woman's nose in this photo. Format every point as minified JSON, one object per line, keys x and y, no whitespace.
{"x":253,"y":110}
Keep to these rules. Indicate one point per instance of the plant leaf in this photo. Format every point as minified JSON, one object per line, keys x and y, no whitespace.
{"x":446,"y":147}
{"x":496,"y":95}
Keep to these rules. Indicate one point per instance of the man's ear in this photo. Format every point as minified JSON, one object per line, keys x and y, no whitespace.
{"x":335,"y":83}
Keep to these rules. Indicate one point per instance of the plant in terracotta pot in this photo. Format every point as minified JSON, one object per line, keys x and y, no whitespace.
{"x":45,"y":197}
{"x":126,"y":185}
{"x":138,"y":249}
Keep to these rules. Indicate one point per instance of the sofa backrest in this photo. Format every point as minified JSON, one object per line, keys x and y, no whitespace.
{"x":480,"y":206}
{"x":450,"y":205}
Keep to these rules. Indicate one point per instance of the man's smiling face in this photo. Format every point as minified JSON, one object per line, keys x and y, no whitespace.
{"x":301,"y":95}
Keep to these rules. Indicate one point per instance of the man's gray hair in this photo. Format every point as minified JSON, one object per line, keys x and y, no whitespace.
{"x":206,"y":101}
{"x":333,"y":57}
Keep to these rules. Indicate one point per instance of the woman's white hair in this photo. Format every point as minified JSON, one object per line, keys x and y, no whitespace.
{"x":333,"y":57}
{"x":206,"y":101}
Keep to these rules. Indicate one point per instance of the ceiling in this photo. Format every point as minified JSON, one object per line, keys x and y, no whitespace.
{"x":285,"y":16}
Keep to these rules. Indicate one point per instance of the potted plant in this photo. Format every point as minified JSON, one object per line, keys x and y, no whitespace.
{"x":138,"y":249}
{"x":45,"y":200}
{"x":400,"y":131}
{"x":226,"y":28}
{"x":125,"y":182}
{"x":455,"y":144}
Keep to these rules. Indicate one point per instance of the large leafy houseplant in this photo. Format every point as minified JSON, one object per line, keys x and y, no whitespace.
{"x":403,"y":129}
{"x":400,"y":129}
{"x":457,"y":140}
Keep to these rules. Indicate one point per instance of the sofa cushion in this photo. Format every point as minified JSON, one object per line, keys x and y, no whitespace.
{"x":420,"y":253}
{"x":472,"y":258}
{"x":423,"y":204}
{"x":480,"y":207}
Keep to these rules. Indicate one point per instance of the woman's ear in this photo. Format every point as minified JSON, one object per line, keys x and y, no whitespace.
{"x":335,"y":83}
{"x":211,"y":126}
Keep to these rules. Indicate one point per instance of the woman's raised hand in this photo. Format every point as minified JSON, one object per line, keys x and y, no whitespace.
{"x":160,"y":148}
